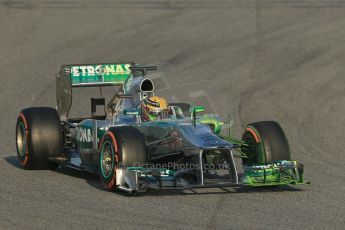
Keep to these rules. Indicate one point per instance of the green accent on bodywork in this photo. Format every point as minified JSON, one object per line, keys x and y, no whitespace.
{"x":278,"y":173}
{"x":213,"y":122}
{"x":238,"y":145}
{"x":102,"y":73}
{"x":239,"y":153}
{"x":151,"y":117}
{"x":233,"y":140}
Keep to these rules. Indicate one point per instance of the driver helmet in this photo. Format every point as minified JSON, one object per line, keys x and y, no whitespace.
{"x":154,"y":108}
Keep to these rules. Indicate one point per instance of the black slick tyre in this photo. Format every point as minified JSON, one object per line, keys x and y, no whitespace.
{"x":122,"y":146}
{"x":38,"y":137}
{"x":266,"y":142}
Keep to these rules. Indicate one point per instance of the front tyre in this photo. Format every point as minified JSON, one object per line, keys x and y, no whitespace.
{"x":108,"y":159}
{"x":266,"y":142}
{"x":120,"y":146}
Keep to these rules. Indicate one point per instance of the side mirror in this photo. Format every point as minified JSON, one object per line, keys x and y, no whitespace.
{"x":132,"y":111}
{"x":197,"y":109}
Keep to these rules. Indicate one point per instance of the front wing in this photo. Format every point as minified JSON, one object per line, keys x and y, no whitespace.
{"x":139,"y":179}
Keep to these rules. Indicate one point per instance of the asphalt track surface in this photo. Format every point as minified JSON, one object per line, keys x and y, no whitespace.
{"x":257,"y":60}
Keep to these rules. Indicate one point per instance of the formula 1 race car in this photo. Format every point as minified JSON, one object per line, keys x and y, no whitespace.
{"x":140,"y":142}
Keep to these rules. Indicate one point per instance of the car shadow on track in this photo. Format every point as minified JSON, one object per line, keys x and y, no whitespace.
{"x":12,"y":160}
{"x":93,"y":180}
{"x":210,"y":191}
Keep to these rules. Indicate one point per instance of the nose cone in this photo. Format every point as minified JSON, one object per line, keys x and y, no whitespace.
{"x":202,"y":136}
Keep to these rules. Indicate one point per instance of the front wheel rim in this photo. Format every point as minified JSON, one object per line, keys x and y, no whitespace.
{"x":21,"y":140}
{"x":107,"y":159}
{"x":255,"y":150}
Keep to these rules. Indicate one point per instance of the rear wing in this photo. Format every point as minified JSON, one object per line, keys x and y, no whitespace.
{"x":87,"y":75}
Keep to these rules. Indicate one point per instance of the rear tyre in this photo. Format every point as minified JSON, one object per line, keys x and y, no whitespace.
{"x":266,"y":143}
{"x":185,"y":107}
{"x":38,"y":137}
{"x":122,"y":146}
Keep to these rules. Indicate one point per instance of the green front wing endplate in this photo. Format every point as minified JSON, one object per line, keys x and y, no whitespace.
{"x":277,"y":173}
